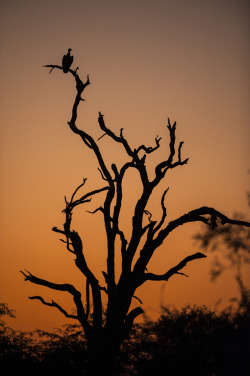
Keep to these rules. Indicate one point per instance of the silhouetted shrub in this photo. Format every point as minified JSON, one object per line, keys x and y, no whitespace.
{"x":192,"y":341}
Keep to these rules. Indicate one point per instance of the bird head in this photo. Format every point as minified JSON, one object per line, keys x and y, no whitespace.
{"x":70,"y":49}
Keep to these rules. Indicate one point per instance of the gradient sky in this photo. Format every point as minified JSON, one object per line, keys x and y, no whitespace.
{"x":147,"y":60}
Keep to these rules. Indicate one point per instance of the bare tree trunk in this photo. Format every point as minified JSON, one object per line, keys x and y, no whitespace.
{"x":104,"y":343}
{"x":103,"y":348}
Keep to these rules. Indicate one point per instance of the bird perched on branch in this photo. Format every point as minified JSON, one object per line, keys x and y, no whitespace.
{"x":67,"y":61}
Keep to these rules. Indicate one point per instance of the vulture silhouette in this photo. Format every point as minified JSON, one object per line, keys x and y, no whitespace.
{"x":67,"y":61}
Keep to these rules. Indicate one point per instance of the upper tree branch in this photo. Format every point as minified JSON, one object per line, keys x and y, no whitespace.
{"x":70,"y":205}
{"x":197,"y":215}
{"x":120,"y":139}
{"x":87,"y":139}
{"x":160,"y":172}
{"x":140,"y":208}
{"x":162,"y":167}
{"x":139,"y":163}
{"x":150,"y":149}
{"x":80,"y":86}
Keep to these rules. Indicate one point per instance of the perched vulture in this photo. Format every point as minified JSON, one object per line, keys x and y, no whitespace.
{"x":67,"y":61}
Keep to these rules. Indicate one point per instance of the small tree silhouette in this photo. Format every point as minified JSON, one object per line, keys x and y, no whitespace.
{"x":105,"y":334}
{"x":231,"y":248}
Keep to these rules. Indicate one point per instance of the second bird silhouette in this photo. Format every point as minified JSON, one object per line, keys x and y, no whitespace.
{"x":67,"y":61}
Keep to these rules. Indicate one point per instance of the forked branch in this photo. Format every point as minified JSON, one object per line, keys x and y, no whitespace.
{"x":162,"y":167}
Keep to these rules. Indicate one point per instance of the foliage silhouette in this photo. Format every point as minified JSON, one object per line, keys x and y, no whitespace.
{"x":16,"y":350}
{"x":191,"y":341}
{"x":104,"y":335}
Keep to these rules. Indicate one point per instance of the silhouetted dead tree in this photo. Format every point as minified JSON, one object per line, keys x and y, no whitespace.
{"x":105,"y":334}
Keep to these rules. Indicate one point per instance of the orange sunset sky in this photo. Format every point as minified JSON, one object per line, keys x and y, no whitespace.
{"x":147,"y":60}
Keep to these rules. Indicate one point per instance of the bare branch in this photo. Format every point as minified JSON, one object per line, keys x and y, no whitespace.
{"x":81,"y":263}
{"x":68,"y":245}
{"x":80,"y":86}
{"x":124,"y":241}
{"x":148,"y":214}
{"x":72,"y":235}
{"x":69,"y":209}
{"x":150,"y":149}
{"x":53,"y":304}
{"x":62,"y":287}
{"x":111,"y":134}
{"x":85,"y":198}
{"x":179,"y":162}
{"x":52,"y":66}
{"x":149,"y":227}
{"x":164,"y":211}
{"x":162,"y":167}
{"x":87,"y":299}
{"x":55,"y":229}
{"x":96,"y":210}
{"x":129,"y":321}
{"x":77,"y":189}
{"x":159,"y":168}
{"x":137,"y":229}
{"x":174,"y":270}
{"x":117,"y":207}
{"x":103,"y":177}
{"x":136,"y":297}
{"x":87,"y":139}
{"x":104,"y":289}
{"x":139,"y":163}
{"x":104,"y":134}
{"x":54,"y":286}
{"x":197,"y":215}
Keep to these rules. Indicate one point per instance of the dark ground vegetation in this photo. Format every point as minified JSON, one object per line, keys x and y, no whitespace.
{"x":191,"y":341}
